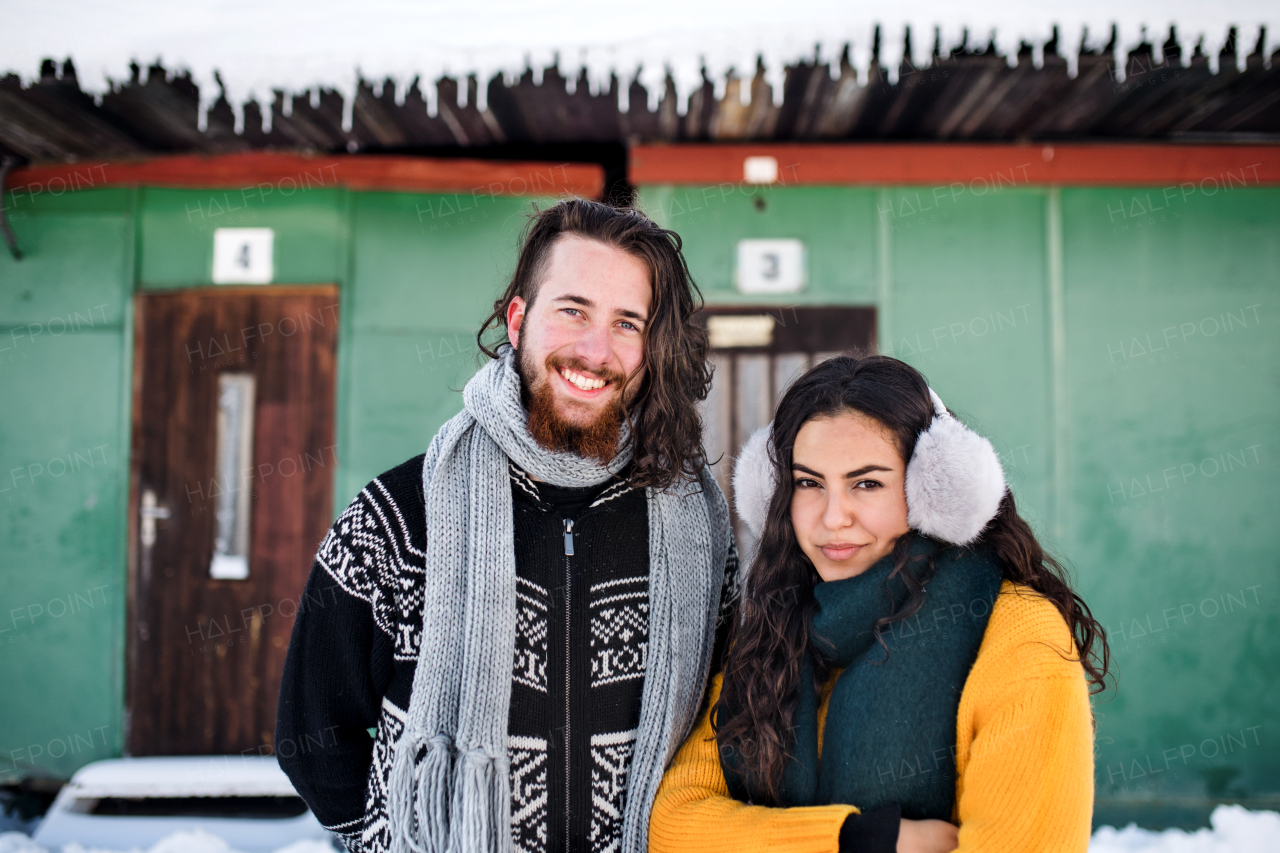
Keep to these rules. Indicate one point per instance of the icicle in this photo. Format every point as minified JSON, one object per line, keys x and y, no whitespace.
{"x":718,"y":85}
{"x":571,"y":84}
{"x":286,"y":104}
{"x":463,"y":92}
{"x":921,"y":43}
{"x":1037,"y":54}
{"x":237,"y":111}
{"x":431,"y":94}
{"x":315,"y":97}
{"x":892,"y":42}
{"x":745,"y":85}
{"x":349,"y":93}
{"x":624,"y":95}
{"x":1188,"y":45}
{"x":402,"y":90}
{"x":268,"y":114}
{"x":1118,"y":58}
{"x":775,"y":74}
{"x":1070,"y":43}
{"x":1008,"y":44}
{"x":860,"y":56}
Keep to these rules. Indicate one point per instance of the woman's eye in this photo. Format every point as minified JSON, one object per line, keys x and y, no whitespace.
{"x":868,"y":484}
{"x":806,"y":483}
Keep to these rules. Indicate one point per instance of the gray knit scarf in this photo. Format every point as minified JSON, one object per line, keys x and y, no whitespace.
{"x":449,"y":787}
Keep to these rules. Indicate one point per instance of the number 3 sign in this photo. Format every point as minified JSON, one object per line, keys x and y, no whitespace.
{"x":243,"y":255}
{"x":771,"y":266}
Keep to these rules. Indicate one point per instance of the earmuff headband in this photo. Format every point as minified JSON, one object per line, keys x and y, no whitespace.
{"x":954,"y":480}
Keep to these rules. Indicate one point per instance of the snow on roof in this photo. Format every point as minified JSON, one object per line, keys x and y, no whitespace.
{"x":255,"y":47}
{"x":204,"y":776}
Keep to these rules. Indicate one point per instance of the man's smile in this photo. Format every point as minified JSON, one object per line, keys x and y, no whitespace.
{"x":582,"y":381}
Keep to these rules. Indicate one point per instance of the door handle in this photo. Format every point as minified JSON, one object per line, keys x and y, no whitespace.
{"x":148,"y":512}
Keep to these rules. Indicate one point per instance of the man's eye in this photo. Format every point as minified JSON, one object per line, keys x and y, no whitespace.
{"x":572,"y":311}
{"x":630,"y":326}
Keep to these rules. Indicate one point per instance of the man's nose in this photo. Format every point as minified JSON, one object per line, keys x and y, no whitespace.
{"x":593,"y":346}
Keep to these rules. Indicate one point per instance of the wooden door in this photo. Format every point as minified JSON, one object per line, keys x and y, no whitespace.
{"x":758,"y":353}
{"x":232,"y":472}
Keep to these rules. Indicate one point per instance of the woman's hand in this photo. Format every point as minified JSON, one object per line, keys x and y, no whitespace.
{"x":927,"y":836}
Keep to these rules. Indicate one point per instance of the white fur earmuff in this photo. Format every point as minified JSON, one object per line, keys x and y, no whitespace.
{"x":954,"y":480}
{"x":754,"y":481}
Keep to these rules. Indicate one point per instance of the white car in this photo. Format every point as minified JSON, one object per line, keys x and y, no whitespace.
{"x":130,"y":803}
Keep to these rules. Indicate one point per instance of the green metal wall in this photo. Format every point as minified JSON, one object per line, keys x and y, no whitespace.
{"x":416,"y":277}
{"x":1142,"y":455}
{"x":1121,"y":348}
{"x":64,"y":379}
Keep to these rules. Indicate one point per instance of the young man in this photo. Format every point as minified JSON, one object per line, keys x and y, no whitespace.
{"x":524,"y":617}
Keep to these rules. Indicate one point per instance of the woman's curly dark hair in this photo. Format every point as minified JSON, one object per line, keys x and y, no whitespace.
{"x":768,"y":643}
{"x":663,"y":415}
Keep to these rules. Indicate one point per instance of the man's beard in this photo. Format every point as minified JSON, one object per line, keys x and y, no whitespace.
{"x":597,"y":439}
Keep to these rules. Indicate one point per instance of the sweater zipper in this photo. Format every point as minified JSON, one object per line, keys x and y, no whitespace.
{"x":568,"y":693}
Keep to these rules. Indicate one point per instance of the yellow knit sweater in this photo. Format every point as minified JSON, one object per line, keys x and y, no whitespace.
{"x":1024,"y":757}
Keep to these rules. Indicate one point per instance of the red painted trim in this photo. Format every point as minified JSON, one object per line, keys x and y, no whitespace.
{"x":360,"y":172}
{"x":941,"y":164}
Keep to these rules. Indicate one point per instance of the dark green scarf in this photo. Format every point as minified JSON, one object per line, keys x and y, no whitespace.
{"x":891,"y":722}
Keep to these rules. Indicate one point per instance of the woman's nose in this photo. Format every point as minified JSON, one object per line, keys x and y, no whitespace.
{"x":839,"y":513}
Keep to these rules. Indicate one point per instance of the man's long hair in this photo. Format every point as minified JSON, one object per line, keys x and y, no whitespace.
{"x":663,"y":415}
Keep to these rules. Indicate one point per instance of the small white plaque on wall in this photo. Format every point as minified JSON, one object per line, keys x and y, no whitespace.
{"x":243,"y":255}
{"x":771,"y":266}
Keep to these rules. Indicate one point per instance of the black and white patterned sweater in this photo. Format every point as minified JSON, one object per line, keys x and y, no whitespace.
{"x":577,"y":676}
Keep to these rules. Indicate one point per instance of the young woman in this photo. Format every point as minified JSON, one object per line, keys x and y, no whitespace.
{"x":910,"y":671}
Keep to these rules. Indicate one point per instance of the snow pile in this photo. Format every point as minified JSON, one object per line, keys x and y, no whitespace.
{"x":256,"y":47}
{"x":1235,"y":830}
{"x":196,"y":841}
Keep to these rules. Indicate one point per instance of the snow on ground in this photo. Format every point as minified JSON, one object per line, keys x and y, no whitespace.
{"x":179,"y":842}
{"x":1235,"y":830}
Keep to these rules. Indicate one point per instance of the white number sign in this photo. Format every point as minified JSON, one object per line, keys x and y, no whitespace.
{"x":771,"y":266}
{"x":243,"y":255}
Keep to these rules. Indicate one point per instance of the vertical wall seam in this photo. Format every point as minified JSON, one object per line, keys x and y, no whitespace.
{"x":120,"y":655}
{"x":1058,"y":407}
{"x":345,"y":354}
{"x":884,"y":273}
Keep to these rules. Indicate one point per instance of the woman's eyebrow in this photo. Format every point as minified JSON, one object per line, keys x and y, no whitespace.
{"x":865,"y":469}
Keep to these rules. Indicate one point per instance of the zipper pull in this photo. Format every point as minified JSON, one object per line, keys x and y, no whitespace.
{"x":568,"y":537}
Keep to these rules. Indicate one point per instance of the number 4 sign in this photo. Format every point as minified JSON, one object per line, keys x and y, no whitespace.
{"x":771,"y":266}
{"x":243,"y":255}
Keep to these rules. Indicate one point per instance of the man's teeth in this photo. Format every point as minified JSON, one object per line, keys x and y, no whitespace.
{"x":586,"y":383}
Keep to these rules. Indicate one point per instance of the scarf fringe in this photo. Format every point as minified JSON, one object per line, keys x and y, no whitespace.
{"x":418,"y":794}
{"x":480,"y":814}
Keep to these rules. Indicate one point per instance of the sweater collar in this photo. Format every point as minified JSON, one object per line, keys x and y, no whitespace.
{"x":613,"y":488}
